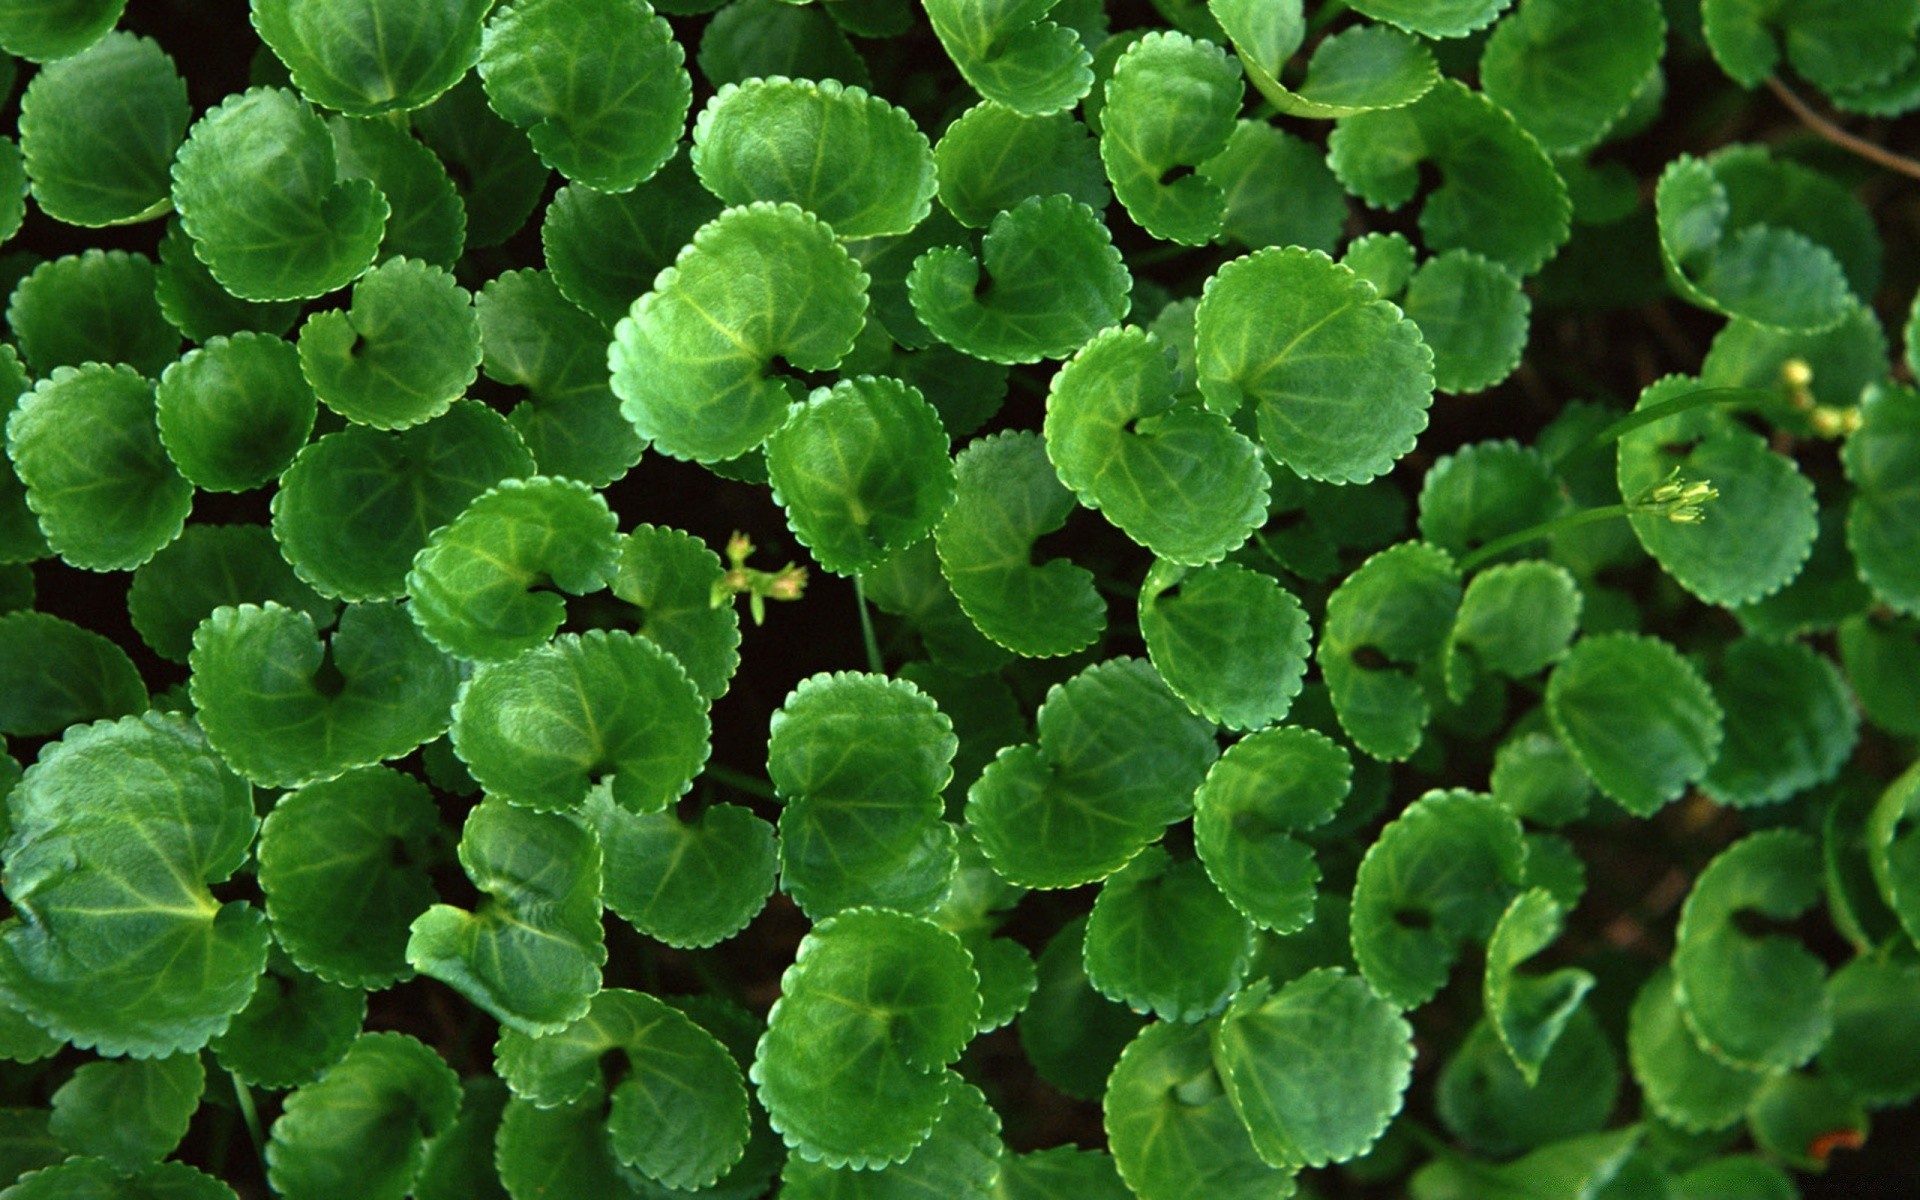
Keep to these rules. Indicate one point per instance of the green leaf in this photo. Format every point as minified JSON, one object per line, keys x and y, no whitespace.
{"x":1170,"y":105}
{"x":1047,"y":278}
{"x":1061,"y":1173}
{"x":39,"y":31}
{"x":1354,"y":70}
{"x":1434,"y":18}
{"x":1753,"y":997}
{"x":1790,"y":722}
{"x":295,"y":1026}
{"x":1485,"y":491}
{"x":1796,"y":1119}
{"x":13,"y":189}
{"x":678,"y":1111}
{"x":1894,"y":853}
{"x":361,"y":1130}
{"x":1682,"y":1083}
{"x":1172,"y":1126}
{"x":563,"y":1151}
{"x":1838,"y":47}
{"x":131,"y":1112}
{"x":84,"y":443}
{"x":959,"y":1161}
{"x":862,"y":471}
{"x":1882,"y":658}
{"x":851,"y":159}
{"x":688,"y":883}
{"x":1385,"y":620}
{"x":604,"y":250}
{"x":852,"y":1067}
{"x":1072,"y":1034}
{"x":357,"y":505}
{"x":495,"y":171}
{"x":25,"y":1144}
{"x":1162,"y":939}
{"x":1881,"y":459}
{"x":669,"y":576}
{"x":532,"y":954}
{"x":233,"y":413}
{"x":1267,"y":788}
{"x":99,"y":130}
{"x":1486,"y":1102}
{"x":1229,"y":641}
{"x":1501,"y":196}
{"x":283,"y":708}
{"x":1568,"y":71}
{"x":1638,"y":717}
{"x":1739,"y":1175}
{"x":1383,"y":259}
{"x":760,"y":286}
{"x":406,"y":349}
{"x":344,"y":867}
{"x":194,"y":302}
{"x":96,"y":1179}
{"x":116,"y":943}
{"x":755,"y":39}
{"x":1874,"y":1051}
{"x":365,"y":57}
{"x":256,"y":187}
{"x":91,"y":308}
{"x":1007,"y":497}
{"x":54,"y":673}
{"x":860,"y":762}
{"x":1340,"y":381}
{"x":1473,"y":315}
{"x":1529,"y":1012}
{"x":600,"y":86}
{"x":428,"y":222}
{"x":1439,"y":876}
{"x":1175,"y":478}
{"x":1514,"y":620}
{"x":992,"y":157}
{"x":909,"y":584}
{"x":534,"y":338}
{"x":460,"y":1159}
{"x":1011,"y":54}
{"x":1116,"y":761}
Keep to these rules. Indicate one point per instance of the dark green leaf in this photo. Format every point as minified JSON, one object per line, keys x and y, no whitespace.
{"x":1162,"y":938}
{"x":360,"y":1131}
{"x":1266,"y":788}
{"x":233,"y":413}
{"x":54,"y":673}
{"x":687,"y":883}
{"x":364,"y":57}
{"x":99,"y":130}
{"x":1638,"y":717}
{"x":130,"y":1112}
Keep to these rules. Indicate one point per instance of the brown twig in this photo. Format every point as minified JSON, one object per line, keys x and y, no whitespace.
{"x":1840,"y":137}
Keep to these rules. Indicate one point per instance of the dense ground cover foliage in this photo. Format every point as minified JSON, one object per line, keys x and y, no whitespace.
{"x":959,"y":599}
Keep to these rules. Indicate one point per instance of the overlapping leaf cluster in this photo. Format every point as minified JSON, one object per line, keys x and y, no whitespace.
{"x":1240,"y":742}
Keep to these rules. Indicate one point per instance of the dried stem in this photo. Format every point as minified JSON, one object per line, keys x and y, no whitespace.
{"x":1840,"y":137}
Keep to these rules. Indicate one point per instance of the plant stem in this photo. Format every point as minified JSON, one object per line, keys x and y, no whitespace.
{"x":250,"y":1115}
{"x":1501,"y":545}
{"x":1840,"y":137}
{"x":740,"y":781}
{"x":1686,"y":402}
{"x":874,"y":662}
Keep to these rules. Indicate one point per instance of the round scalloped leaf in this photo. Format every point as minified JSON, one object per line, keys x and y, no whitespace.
{"x":1228,"y":640}
{"x":755,"y":39}
{"x":1388,"y":618}
{"x":534,"y":338}
{"x":861,"y":762}
{"x":1117,"y":760}
{"x":1800,"y":1119}
{"x":284,"y":708}
{"x":406,"y":349}
{"x":1438,"y":876}
{"x":850,"y":158}
{"x":678,"y":1107}
{"x":1528,"y":1012}
{"x":960,"y":1160}
{"x":1317,"y":1069}
{"x":851,"y":1069}
{"x":1011,"y":54}
{"x":1174,"y":477}
{"x":1500,"y":195}
{"x":1355,"y":70}
{"x":1384,"y":260}
{"x":1267,"y":788}
{"x":1838,"y":47}
{"x":54,"y":673}
{"x":993,"y":157}
{"x":600,"y":86}
{"x":1515,"y":620}
{"x":909,"y":584}
{"x":344,"y":867}
{"x":233,"y":413}
{"x":1071,"y":1033}
{"x":1530,"y":64}
{"x":1882,"y":659}
{"x":1682,"y":1083}
{"x":20,"y":538}
{"x":1754,"y":536}
{"x":471,"y":584}
{"x":498,"y":178}
{"x":460,"y":1161}
{"x":1006,"y":498}
{"x":1279,"y":190}
{"x":1434,"y":18}
{"x":85,"y":446}
{"x":194,"y":302}
{"x":357,"y":505}
{"x":610,"y":707}
{"x":428,"y":221}
{"x":1170,"y":106}
{"x":362,"y":1128}
{"x":604,"y":250}
{"x":1485,"y":491}
{"x":1172,"y":1126}
{"x":1341,"y":381}
{"x":1753,"y":997}
{"x":365,"y":57}
{"x":1047,"y":279}
{"x":1790,"y":722}
{"x":13,"y":189}
{"x":130,"y":1112}
{"x":862,"y":471}
{"x":688,"y":883}
{"x":1061,"y":1173}
{"x":1162,"y":939}
{"x":1485,"y":1101}
{"x":532,"y":955}
{"x":1637,"y":715}
{"x":1882,"y":459}
{"x":256,"y":188}
{"x":1894,"y":853}
{"x":96,"y":307}
{"x":562,"y":1151}
{"x":95,"y":1179}
{"x":295,"y":1026}
{"x":1473,"y":316}
{"x":98,"y":132}
{"x":669,"y":575}
{"x":39,"y":31}
{"x":1874,"y":1051}
{"x":761,"y":286}
{"x":117,"y":945}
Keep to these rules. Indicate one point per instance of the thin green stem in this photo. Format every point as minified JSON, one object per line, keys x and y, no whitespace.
{"x":874,"y":662}
{"x":250,"y":1115}
{"x":740,"y":781}
{"x":1501,"y":545}
{"x":1730,"y":397}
